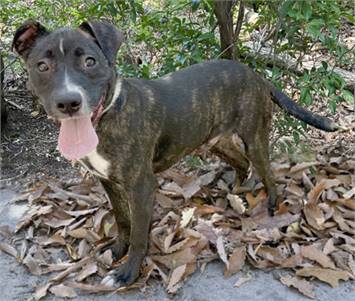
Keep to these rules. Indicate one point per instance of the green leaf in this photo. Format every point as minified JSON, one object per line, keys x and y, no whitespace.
{"x":306,"y":9}
{"x":145,"y":70}
{"x":286,"y":8}
{"x":206,"y":36}
{"x":330,"y":86}
{"x":296,"y":136}
{"x":314,"y":27}
{"x":333,"y":105}
{"x":306,"y":96}
{"x":347,"y":96}
{"x":324,"y":65}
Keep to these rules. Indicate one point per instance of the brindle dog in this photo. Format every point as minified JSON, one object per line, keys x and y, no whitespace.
{"x":126,"y":130}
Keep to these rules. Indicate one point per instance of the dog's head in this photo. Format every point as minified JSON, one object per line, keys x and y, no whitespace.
{"x":69,"y":69}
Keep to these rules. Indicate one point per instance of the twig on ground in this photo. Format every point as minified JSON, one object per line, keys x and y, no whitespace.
{"x":15,"y":177}
{"x":14,"y":104}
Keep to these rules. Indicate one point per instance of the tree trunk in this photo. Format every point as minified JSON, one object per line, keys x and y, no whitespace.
{"x":2,"y":99}
{"x":224,"y":14}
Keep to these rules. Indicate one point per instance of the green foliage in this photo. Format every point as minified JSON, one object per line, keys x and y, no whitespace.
{"x":164,"y":38}
{"x":301,"y":25}
{"x":175,"y":36}
{"x":193,"y":161}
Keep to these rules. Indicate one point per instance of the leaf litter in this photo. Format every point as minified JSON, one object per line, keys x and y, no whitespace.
{"x":199,"y":217}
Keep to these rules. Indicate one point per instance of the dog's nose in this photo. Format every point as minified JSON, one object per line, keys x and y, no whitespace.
{"x":68,"y":105}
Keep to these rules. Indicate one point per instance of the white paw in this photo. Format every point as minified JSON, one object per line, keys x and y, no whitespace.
{"x":108,"y":280}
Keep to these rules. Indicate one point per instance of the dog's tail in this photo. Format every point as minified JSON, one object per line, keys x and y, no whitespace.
{"x":291,"y":107}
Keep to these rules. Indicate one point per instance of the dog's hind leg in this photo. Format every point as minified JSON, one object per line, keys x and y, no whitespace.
{"x":258,"y":155}
{"x":257,"y":148}
{"x":230,"y":151}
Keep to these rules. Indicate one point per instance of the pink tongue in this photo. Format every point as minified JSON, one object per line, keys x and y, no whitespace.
{"x":77,"y":138}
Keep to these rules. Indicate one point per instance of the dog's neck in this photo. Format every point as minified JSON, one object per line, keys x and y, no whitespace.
{"x":110,"y":97}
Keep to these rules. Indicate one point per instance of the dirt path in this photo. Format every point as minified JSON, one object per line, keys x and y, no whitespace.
{"x":28,"y":144}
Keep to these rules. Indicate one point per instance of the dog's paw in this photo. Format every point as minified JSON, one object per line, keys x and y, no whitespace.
{"x":109,"y":280}
{"x":119,"y":249}
{"x":124,"y":275}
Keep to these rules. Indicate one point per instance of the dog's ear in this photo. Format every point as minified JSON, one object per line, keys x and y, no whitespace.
{"x":26,"y":36}
{"x":107,"y":36}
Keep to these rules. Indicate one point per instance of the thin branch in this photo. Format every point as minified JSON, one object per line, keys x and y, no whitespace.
{"x":14,"y":104}
{"x":8,"y":65}
{"x":240,"y":20}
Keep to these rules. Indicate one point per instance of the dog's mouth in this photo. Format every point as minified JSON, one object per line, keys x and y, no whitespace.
{"x":77,"y":136}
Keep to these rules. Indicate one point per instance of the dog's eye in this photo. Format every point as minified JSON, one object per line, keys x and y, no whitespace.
{"x":42,"y":67}
{"x":90,"y":62}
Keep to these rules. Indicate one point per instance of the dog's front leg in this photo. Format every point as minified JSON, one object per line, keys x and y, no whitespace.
{"x":119,"y":201}
{"x":140,"y":200}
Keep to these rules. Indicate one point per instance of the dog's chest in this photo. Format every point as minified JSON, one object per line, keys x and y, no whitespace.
{"x":96,"y":164}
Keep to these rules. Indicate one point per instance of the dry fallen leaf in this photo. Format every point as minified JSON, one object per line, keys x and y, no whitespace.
{"x":187,"y":216}
{"x":236,"y":203}
{"x":93,"y":288}
{"x":172,"y":189}
{"x":312,"y":253}
{"x":338,"y":218}
{"x":342,"y":260}
{"x":78,"y":213}
{"x":41,"y":291}
{"x":53,"y":240}
{"x":83,"y":249}
{"x":326,"y":275}
{"x":59,"y":277}
{"x":236,"y":261}
{"x":243,"y":280}
{"x":63,"y":291}
{"x":349,"y":194}
{"x":194,"y":186}
{"x":301,"y":166}
{"x":314,"y":216}
{"x":302,"y":285}
{"x":294,"y":189}
{"x":106,"y":258}
{"x":176,"y":279}
{"x":57,"y":223}
{"x":329,"y":247}
{"x":164,"y":201}
{"x":315,"y":193}
{"x":88,"y":270}
{"x":32,"y":264}
{"x":6,"y":248}
{"x":207,"y":230}
{"x":176,"y":259}
{"x":252,"y":201}
{"x":349,"y":203}
{"x":221,"y":251}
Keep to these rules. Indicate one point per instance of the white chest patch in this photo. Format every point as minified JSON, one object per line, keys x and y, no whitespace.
{"x":99,"y":164}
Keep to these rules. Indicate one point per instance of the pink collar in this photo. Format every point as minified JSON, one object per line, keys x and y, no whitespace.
{"x":98,"y":112}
